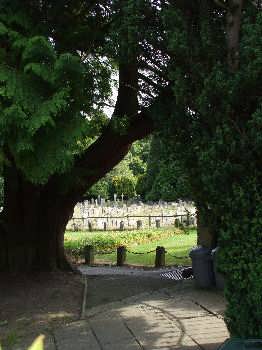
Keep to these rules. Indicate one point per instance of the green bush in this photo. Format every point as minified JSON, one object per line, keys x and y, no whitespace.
{"x":108,"y":241}
{"x":123,"y":177}
{"x":124,"y":184}
{"x":101,"y":188}
{"x":165,"y":178}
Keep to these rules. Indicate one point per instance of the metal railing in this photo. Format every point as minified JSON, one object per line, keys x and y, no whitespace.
{"x":129,"y":222}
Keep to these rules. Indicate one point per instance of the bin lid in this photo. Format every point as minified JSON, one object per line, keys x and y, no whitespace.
{"x":242,"y":344}
{"x":199,"y":251}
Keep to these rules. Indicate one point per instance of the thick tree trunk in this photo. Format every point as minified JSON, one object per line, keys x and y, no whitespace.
{"x":32,"y":226}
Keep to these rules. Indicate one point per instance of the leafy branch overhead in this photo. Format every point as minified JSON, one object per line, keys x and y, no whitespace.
{"x":48,"y":94}
{"x":44,"y":93}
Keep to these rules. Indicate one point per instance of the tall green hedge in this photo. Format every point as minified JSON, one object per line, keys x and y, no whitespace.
{"x":215,"y":126}
{"x":233,"y":181}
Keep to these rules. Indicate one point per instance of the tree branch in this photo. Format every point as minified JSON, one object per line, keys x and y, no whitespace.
{"x":113,"y":144}
{"x":125,"y":126}
{"x":108,"y":150}
{"x":234,"y":15}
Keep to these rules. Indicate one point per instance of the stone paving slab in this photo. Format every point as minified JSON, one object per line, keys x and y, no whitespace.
{"x":153,"y":330}
{"x":112,"y":331}
{"x":206,"y":331}
{"x":211,"y":301}
{"x":181,"y":308}
{"x":77,"y":335}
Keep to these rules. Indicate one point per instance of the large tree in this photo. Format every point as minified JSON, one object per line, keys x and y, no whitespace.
{"x":57,"y":63}
{"x":55,"y":143}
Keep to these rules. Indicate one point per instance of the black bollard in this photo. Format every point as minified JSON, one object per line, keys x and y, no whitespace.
{"x":89,"y":254}
{"x":121,"y":255}
{"x":160,"y":259}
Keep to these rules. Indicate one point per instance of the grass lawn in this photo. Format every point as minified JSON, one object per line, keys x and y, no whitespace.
{"x":177,"y":244}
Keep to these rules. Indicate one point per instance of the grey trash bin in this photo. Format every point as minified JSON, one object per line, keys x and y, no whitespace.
{"x":202,"y":267}
{"x":219,"y":278}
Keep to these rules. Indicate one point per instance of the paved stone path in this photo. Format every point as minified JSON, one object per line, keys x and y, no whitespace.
{"x":175,"y":317}
{"x":165,"y":315}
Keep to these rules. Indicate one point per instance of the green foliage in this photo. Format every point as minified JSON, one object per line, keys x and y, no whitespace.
{"x":165,"y":178}
{"x":11,"y":339}
{"x":45,"y":98}
{"x":124,"y":177}
{"x":101,"y":188}
{"x":123,"y":185}
{"x":119,"y":181}
{"x":138,"y":156}
{"x":111,"y":240}
{"x":150,"y":169}
{"x":215,"y":122}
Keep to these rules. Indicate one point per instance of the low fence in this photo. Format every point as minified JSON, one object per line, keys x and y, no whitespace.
{"x":130,"y":222}
{"x":121,"y":253}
